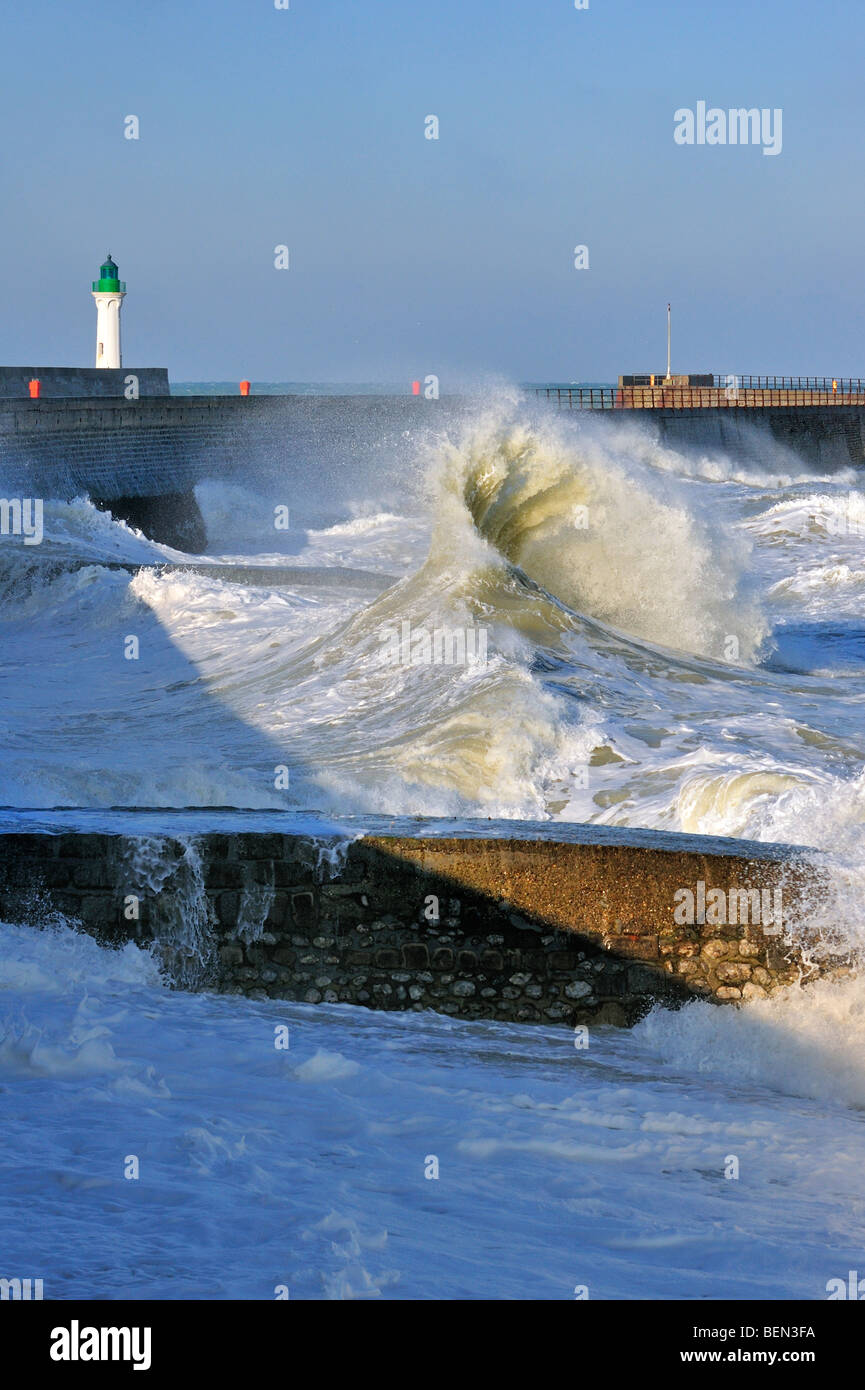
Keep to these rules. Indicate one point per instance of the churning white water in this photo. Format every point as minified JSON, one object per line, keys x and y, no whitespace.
{"x":692,"y":635}
{"x":673,"y":640}
{"x":305,"y":1168}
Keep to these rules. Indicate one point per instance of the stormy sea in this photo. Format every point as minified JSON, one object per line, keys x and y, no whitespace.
{"x":673,"y":639}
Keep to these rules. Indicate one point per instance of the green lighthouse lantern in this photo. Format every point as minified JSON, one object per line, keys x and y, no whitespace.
{"x":109,"y":292}
{"x":108,"y":282}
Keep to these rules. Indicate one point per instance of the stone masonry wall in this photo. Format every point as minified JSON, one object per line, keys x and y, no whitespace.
{"x":533,"y":931}
{"x":118,"y":448}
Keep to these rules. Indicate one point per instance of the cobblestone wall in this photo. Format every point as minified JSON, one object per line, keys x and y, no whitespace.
{"x":534,"y":931}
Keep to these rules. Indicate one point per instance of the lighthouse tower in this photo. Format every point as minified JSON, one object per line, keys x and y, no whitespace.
{"x":108,"y":291}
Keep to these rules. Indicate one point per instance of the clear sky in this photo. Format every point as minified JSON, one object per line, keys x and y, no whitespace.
{"x":305,"y":127}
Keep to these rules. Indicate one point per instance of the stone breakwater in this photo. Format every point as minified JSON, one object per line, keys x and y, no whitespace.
{"x":830,"y":437}
{"x":142,"y":458}
{"x":114,"y":449}
{"x":531,"y":930}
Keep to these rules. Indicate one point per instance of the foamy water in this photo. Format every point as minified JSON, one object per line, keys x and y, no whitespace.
{"x":693,"y":638}
{"x":304,"y":1168}
{"x":674,"y":641}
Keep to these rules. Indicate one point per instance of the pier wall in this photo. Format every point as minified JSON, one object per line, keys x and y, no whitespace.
{"x":519,"y":929}
{"x":160,"y":446}
{"x":830,"y":436}
{"x":100,"y":382}
{"x":118,"y":448}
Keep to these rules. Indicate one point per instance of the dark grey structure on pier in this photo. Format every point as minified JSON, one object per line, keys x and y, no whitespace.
{"x":142,"y":458}
{"x":60,"y":383}
{"x":831,"y":436}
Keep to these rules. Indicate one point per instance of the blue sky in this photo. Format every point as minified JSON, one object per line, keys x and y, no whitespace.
{"x":305,"y":127}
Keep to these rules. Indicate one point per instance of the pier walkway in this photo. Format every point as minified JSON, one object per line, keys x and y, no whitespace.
{"x":728,"y":392}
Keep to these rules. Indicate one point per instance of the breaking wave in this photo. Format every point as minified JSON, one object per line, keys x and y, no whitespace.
{"x":660,"y":647}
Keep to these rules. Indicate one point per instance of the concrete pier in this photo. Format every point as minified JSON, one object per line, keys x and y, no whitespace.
{"x":819,"y":425}
{"x":122,"y":448}
{"x":118,"y":448}
{"x":157,"y":448}
{"x":83,"y":383}
{"x":572,"y":924}
{"x":824,"y":435}
{"x":160,"y":446}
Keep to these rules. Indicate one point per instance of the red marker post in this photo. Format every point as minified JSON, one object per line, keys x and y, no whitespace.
{"x":35,"y":388}
{"x":415,"y":388}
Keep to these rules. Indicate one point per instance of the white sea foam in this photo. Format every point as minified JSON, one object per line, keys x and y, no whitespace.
{"x":303,"y":1169}
{"x":802,"y":1041}
{"x":613,"y":694}
{"x":626,"y":589}
{"x":585,"y":520}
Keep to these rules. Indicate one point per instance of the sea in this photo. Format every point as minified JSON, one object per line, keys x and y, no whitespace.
{"x":668,"y":638}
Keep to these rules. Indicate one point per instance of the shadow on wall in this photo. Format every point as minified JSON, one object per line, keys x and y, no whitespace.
{"x":520,"y":930}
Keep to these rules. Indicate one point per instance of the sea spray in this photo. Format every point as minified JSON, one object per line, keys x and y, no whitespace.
{"x":164,"y":881}
{"x":165,"y":877}
{"x":800,"y":1041}
{"x":254,"y":904}
{"x":565,"y":539}
{"x":608,"y":538}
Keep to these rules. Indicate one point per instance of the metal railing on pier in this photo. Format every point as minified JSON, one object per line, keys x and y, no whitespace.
{"x":583,"y":397}
{"x":730,"y":393}
{"x":841,"y":385}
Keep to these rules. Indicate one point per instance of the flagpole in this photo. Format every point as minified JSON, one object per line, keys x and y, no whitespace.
{"x":669,"y":325}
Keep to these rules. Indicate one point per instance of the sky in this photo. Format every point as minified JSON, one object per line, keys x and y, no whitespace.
{"x":305,"y":127}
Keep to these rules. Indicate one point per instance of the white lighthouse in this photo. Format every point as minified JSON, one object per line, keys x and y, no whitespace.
{"x":109,"y":292}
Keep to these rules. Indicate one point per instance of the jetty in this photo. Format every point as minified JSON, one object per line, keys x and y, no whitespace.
{"x":142,"y":457}
{"x":706,"y":391}
{"x":822,"y":419}
{"x":528,"y":922}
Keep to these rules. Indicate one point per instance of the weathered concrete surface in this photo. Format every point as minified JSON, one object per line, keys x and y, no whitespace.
{"x":529,"y":930}
{"x":120,"y":448}
{"x":115,"y":449}
{"x":60,"y":382}
{"x":832,"y":436}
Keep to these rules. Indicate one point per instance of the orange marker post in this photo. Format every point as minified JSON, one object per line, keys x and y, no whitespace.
{"x":35,"y":388}
{"x":244,"y":388}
